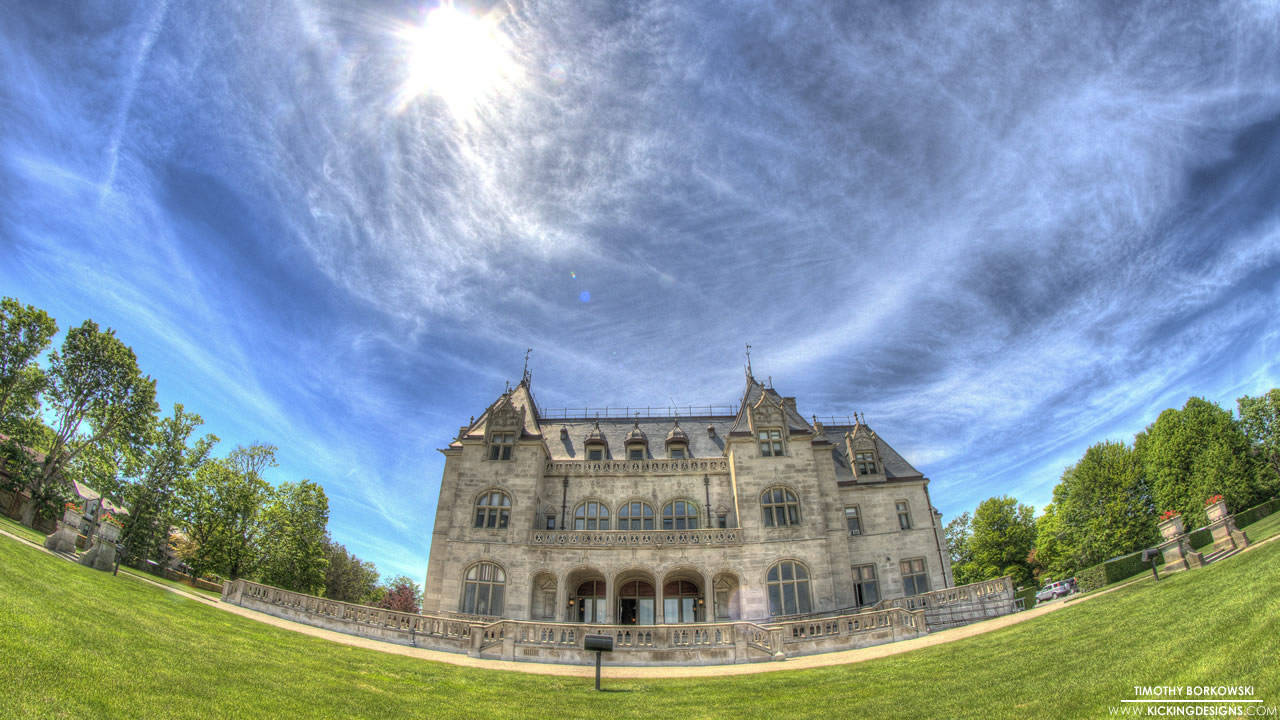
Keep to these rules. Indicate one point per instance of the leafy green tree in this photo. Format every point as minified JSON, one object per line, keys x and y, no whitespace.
{"x":348,"y":578}
{"x":1191,"y":454}
{"x":1004,"y":532}
{"x":203,"y":517}
{"x":958,"y":534}
{"x":93,"y":379}
{"x":153,"y":504}
{"x":294,"y":555}
{"x":1050,"y":559}
{"x":25,"y":333}
{"x":400,"y":594}
{"x":1103,"y":507}
{"x":1260,"y":421}
{"x":240,"y":503}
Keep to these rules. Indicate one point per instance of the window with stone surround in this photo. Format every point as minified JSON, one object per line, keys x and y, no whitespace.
{"x":904,"y":515}
{"x":680,"y":515}
{"x":482,"y":589}
{"x":591,"y":515}
{"x":770,"y":442}
{"x":853,"y":520}
{"x":788,"y":588}
{"x":677,"y":452}
{"x":780,"y":506}
{"x":866,"y":589}
{"x":500,"y":445}
{"x":493,"y":510}
{"x":635,"y":516}
{"x":915,"y":577}
{"x":866,"y":462}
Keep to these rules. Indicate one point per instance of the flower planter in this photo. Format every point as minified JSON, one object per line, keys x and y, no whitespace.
{"x":1170,"y":529}
{"x":1216,"y":511}
{"x":108,"y":532}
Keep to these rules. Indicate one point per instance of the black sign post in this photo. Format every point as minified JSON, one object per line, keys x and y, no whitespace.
{"x":1150,"y":556}
{"x":599,"y":643}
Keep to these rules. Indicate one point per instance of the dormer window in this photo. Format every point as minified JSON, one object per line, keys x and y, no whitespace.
{"x":595,"y":452}
{"x":637,"y":443}
{"x":770,"y":442}
{"x":500,"y":445}
{"x":866,"y":462}
{"x":597,"y":447}
{"x":677,"y":443}
{"x":677,"y":452}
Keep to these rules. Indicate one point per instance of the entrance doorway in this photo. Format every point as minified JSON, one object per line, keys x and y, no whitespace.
{"x":636,"y":603}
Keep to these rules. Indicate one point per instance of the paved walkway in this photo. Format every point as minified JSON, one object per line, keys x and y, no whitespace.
{"x":843,"y":657}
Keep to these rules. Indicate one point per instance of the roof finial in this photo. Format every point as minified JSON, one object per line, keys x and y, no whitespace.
{"x":524,"y":376}
{"x":748,"y":359}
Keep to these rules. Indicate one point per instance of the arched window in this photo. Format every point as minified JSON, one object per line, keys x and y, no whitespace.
{"x":788,"y":584}
{"x":680,"y":515}
{"x":681,"y":602}
{"x":482,"y":589}
{"x":493,"y":510}
{"x":589,"y":602}
{"x":591,"y":515}
{"x":781,"y":507}
{"x":636,"y":603}
{"x":635,"y":516}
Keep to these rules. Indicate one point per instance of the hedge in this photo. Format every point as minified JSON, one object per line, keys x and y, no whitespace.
{"x":1028,"y":596}
{"x":1113,"y":570}
{"x":1257,"y":512}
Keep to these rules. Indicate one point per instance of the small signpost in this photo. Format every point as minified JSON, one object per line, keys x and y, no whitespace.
{"x":601,"y":644}
{"x":1149,"y":556}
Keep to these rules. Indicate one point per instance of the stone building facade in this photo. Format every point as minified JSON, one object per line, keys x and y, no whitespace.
{"x":757,"y":514}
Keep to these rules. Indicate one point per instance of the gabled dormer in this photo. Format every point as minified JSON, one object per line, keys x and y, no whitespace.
{"x":511,"y":418}
{"x":595,"y":444}
{"x":637,"y":443}
{"x":864,"y":453}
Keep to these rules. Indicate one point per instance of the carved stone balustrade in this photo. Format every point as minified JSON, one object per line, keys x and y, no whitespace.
{"x":636,"y":538}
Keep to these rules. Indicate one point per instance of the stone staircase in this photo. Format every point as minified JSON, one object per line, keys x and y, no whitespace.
{"x":1219,"y":555}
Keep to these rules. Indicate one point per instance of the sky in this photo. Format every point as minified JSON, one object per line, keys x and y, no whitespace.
{"x":1003,"y":232}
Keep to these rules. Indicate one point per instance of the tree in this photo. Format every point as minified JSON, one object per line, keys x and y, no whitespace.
{"x":1050,"y":558}
{"x":94,"y":379}
{"x":348,"y":578}
{"x":240,"y":503}
{"x":170,"y":462}
{"x":1191,"y":454}
{"x":401,"y":594}
{"x":958,"y":532}
{"x":1260,"y":421}
{"x":1004,"y":532}
{"x":293,"y":539}
{"x":1103,"y":507}
{"x":25,"y":333}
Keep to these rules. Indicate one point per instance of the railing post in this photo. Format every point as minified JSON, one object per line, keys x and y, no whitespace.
{"x":477,"y":639}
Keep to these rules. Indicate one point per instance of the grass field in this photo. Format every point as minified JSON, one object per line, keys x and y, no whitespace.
{"x":77,"y":643}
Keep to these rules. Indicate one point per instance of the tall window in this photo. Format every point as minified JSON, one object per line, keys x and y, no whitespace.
{"x":589,"y":602}
{"x":680,"y":602}
{"x":493,"y":510}
{"x":852,"y":520}
{"x":781,"y":507}
{"x":635,"y":516}
{"x":591,"y":516}
{"x":865,"y":588}
{"x":680,"y":515}
{"x":788,"y":584}
{"x":636,"y":603}
{"x":771,"y":442}
{"x":904,"y":515}
{"x":915,"y":579}
{"x":482,"y":589}
{"x":500,"y":445}
{"x":866,"y":463}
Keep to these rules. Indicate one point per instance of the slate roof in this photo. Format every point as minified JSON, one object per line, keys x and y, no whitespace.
{"x":615,"y":431}
{"x":895,"y":466}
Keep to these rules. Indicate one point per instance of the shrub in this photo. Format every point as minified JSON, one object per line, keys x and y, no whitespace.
{"x":1113,"y":570}
{"x":1200,"y":537}
{"x":1257,"y":512}
{"x":1091,"y":578}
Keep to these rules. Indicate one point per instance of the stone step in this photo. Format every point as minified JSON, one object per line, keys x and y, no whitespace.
{"x":1216,"y":556}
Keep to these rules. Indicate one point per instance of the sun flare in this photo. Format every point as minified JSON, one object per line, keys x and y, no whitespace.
{"x":458,"y":57}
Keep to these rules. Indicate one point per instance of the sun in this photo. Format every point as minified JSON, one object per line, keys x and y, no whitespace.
{"x":458,"y":57}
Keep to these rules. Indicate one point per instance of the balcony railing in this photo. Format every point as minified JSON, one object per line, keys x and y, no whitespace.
{"x":634,"y":467}
{"x":636,"y":538}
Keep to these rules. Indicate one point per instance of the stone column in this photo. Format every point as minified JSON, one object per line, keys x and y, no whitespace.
{"x":1176,"y":549}
{"x":610,"y":602}
{"x":708,"y":598}
{"x":562,"y":598}
{"x":1226,"y":536}
{"x":63,"y":540}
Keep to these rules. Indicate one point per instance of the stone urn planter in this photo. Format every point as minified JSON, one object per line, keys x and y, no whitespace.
{"x":1216,"y":511}
{"x":1170,"y":529}
{"x":63,"y":539}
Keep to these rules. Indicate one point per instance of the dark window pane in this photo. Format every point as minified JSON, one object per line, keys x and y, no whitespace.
{"x":775,"y":600}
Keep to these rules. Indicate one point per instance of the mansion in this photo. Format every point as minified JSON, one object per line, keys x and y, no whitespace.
{"x":755,"y":515}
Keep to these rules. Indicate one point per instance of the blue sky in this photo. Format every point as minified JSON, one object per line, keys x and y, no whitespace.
{"x":1003,"y":233}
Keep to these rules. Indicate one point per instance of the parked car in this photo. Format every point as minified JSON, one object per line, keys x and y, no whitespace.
{"x":1053,"y":590}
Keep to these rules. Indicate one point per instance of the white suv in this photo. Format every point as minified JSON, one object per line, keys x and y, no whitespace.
{"x":1052,"y":591}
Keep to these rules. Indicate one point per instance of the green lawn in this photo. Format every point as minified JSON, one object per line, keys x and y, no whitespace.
{"x":171,"y":583}
{"x":77,"y":643}
{"x":17,"y":528}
